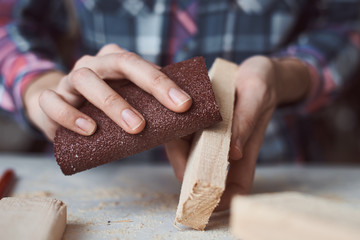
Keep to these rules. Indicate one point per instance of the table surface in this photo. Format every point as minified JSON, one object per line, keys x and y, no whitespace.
{"x":123,"y":200}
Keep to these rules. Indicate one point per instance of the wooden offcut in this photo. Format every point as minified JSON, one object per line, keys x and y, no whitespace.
{"x":206,"y":170}
{"x":38,"y":218}
{"x":295,"y":216}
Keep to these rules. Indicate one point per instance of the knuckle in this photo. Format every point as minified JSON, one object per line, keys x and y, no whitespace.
{"x":109,"y":47}
{"x":79,"y":75}
{"x":127,"y":57}
{"x":86,"y":58}
{"x":83,"y":61}
{"x":110,"y":100}
{"x":62,"y":115}
{"x":156,"y":82}
{"x":45,"y":95}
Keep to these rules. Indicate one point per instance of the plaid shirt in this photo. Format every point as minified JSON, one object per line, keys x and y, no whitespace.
{"x":40,"y":35}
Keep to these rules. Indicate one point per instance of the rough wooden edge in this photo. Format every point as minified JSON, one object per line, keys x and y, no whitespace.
{"x":32,"y":218}
{"x":291,"y":215}
{"x":206,"y":170}
{"x":197,"y":210}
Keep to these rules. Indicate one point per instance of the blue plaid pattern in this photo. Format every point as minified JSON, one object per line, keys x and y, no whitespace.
{"x":324,"y":34}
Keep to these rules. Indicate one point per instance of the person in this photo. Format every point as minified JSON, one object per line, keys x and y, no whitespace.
{"x":293,"y":56}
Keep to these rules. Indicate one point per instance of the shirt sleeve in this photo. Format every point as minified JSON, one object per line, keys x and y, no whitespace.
{"x":27,"y":49}
{"x":330,"y":46}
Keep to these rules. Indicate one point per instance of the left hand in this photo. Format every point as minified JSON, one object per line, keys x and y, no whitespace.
{"x":262,"y":84}
{"x":51,"y":99}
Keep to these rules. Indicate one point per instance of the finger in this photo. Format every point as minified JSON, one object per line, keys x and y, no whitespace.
{"x":249,"y":104}
{"x":110,"y":49}
{"x":96,"y":91}
{"x":86,"y":60}
{"x":131,"y":66}
{"x":241,"y":173}
{"x":177,"y":152}
{"x":49,"y":127}
{"x":65,"y":115}
{"x":113,"y":48}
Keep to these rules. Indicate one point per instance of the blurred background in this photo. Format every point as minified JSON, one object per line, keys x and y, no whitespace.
{"x":14,"y":138}
{"x":335,"y":132}
{"x":336,"y":129}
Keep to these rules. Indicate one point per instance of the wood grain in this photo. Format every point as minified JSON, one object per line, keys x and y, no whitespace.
{"x":32,"y":218}
{"x":206,"y":170}
{"x":292,"y":215}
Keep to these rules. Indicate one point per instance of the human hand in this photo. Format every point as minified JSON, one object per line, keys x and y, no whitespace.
{"x":262,"y":84}
{"x":51,"y":100}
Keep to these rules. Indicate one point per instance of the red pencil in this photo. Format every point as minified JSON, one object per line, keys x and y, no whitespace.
{"x":6,"y":181}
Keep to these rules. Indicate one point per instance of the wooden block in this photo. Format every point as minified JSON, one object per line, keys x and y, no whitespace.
{"x":295,"y":216}
{"x":40,"y":219}
{"x":206,"y":170}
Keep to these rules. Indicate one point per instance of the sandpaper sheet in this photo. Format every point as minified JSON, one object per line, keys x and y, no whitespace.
{"x":75,"y":153}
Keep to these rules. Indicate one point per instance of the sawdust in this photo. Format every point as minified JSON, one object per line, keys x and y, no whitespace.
{"x":153,"y":202}
{"x":155,"y":210}
{"x":140,"y":226}
{"x":39,"y":194}
{"x":121,"y":212}
{"x":119,"y":221}
{"x":160,"y":237}
{"x":103,"y":205}
{"x":124,"y":232}
{"x":157,"y":202}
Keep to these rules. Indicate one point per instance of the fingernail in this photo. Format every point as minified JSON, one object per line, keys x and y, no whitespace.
{"x":85,"y":125}
{"x":178,"y":96}
{"x":132,"y":119}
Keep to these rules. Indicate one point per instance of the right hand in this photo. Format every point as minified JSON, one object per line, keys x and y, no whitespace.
{"x":51,"y":100}
{"x":262,"y":84}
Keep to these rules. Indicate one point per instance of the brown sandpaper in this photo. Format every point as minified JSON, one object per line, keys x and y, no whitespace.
{"x":75,"y":153}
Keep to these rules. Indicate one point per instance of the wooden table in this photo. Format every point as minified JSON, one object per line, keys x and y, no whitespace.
{"x":132,"y":200}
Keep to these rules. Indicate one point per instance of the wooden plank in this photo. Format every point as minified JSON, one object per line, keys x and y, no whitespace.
{"x":32,"y":218}
{"x":206,"y":170}
{"x":291,"y":215}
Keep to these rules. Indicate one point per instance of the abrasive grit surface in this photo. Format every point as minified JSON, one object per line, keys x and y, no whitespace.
{"x":75,"y":153}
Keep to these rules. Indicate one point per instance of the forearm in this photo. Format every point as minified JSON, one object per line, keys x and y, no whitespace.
{"x":293,"y":81}
{"x":331,"y":49}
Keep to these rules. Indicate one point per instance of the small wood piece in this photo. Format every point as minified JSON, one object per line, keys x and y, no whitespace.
{"x":41,"y":219}
{"x":206,"y":170}
{"x":292,"y":215}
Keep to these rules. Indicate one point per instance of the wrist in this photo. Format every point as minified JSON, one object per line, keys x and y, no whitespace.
{"x":292,"y":80}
